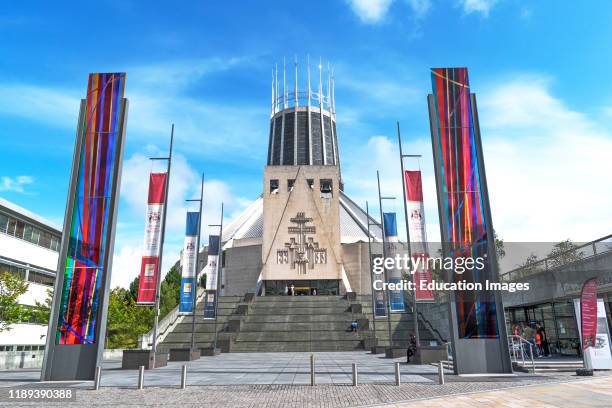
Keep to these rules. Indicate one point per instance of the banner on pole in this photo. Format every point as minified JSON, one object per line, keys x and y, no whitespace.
{"x":149,"y":266}
{"x":396,"y":297}
{"x":418,"y":232}
{"x":190,"y":252}
{"x":211,"y":276}
{"x":593,"y":328}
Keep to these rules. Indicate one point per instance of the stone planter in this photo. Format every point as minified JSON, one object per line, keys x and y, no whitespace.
{"x":133,"y":359}
{"x":184,"y":354}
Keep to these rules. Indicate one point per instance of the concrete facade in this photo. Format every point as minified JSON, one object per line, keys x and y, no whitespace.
{"x":282,"y":208}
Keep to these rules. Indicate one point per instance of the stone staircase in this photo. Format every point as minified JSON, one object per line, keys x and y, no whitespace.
{"x":180,"y":336}
{"x":298,"y":323}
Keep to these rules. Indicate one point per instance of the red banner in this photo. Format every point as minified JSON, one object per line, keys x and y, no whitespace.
{"x":588,"y":313}
{"x":149,"y":267}
{"x":418,"y":235}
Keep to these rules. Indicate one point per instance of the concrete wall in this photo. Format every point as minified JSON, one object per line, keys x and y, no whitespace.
{"x":242,"y":268}
{"x":357,"y":267}
{"x":280,"y":207}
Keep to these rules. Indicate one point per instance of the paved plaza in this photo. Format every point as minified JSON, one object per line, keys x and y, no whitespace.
{"x":281,"y":380}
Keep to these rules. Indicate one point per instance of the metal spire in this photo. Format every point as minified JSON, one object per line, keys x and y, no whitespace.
{"x":273,"y":92}
{"x":320,"y":82}
{"x":276,"y":87}
{"x":328,"y":88}
{"x":333,"y":94}
{"x":284,"y":84}
{"x":295,"y":91}
{"x":308,"y":57}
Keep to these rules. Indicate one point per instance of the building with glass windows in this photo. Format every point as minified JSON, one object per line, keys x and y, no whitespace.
{"x":29,"y":248}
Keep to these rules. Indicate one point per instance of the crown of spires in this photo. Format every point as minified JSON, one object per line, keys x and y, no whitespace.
{"x":286,"y":99}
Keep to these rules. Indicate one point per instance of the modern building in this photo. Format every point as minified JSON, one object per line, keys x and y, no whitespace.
{"x":303,"y":230}
{"x":555,"y":286}
{"x":29,"y":248}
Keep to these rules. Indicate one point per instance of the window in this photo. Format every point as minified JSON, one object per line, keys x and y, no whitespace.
{"x":3,"y":222}
{"x":43,"y":279}
{"x":35,"y":235}
{"x":19,"y":227}
{"x":290,"y":184}
{"x":55,"y":243}
{"x":45,"y":240}
{"x":326,"y":188}
{"x":273,"y":186}
{"x":11,"y":226}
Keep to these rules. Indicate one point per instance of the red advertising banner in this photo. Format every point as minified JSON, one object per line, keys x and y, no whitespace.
{"x":418,"y":234}
{"x":588,"y":313}
{"x":149,"y":267}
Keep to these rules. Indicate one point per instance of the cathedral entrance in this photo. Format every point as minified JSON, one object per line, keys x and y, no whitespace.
{"x":302,"y":287}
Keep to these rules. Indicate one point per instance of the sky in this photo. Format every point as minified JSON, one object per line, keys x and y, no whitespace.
{"x":539,"y":69}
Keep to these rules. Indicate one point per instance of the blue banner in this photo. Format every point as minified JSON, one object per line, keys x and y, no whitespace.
{"x":189,"y":259}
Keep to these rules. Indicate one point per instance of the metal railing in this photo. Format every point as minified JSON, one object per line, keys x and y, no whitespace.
{"x":518,"y":344}
{"x":577,"y":254}
{"x":165,"y":325}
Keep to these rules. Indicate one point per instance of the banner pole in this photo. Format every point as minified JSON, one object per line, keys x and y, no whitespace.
{"x":161,"y":251}
{"x":219,"y":279}
{"x":384,"y":253}
{"x":371,"y":276}
{"x":414,"y":293}
{"x":195,"y":275}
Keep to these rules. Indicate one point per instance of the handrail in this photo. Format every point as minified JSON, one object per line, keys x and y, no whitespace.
{"x":535,"y":267}
{"x":521,"y":341}
{"x":433,"y":329}
{"x":168,"y":322}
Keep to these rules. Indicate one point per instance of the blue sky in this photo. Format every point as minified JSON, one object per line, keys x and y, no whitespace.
{"x":539,"y":70}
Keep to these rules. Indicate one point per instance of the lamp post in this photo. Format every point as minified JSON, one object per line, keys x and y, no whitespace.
{"x":219,"y":278}
{"x":197,"y":262}
{"x":371,"y":273}
{"x":384,"y":254}
{"x":161,"y":246}
{"x":414,"y":297}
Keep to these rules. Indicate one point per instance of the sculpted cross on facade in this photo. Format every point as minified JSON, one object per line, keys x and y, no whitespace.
{"x":301,"y":250}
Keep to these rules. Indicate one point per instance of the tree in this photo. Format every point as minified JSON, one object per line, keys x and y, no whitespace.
{"x":11,"y":312}
{"x":563,"y":253}
{"x":42,"y":311}
{"x":126,"y":320}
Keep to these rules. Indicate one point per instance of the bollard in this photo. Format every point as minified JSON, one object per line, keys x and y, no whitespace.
{"x":354,"y":374}
{"x":441,"y":373}
{"x":141,"y":378}
{"x":97,"y":378}
{"x":184,"y":377}
{"x":312,"y":370}
{"x":398,"y":381}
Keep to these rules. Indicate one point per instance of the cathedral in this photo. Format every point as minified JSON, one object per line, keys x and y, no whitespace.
{"x":303,"y":233}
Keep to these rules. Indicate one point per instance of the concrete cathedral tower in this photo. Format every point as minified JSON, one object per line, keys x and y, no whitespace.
{"x":301,"y":210}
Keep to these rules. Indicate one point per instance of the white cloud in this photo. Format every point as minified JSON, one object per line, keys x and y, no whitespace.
{"x":184,"y":184}
{"x":58,"y":107}
{"x":547,"y":167}
{"x":370,"y":11}
{"x":546,"y":164}
{"x":477,"y":6}
{"x":15,"y":184}
{"x":419,"y":7}
{"x":159,"y":95}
